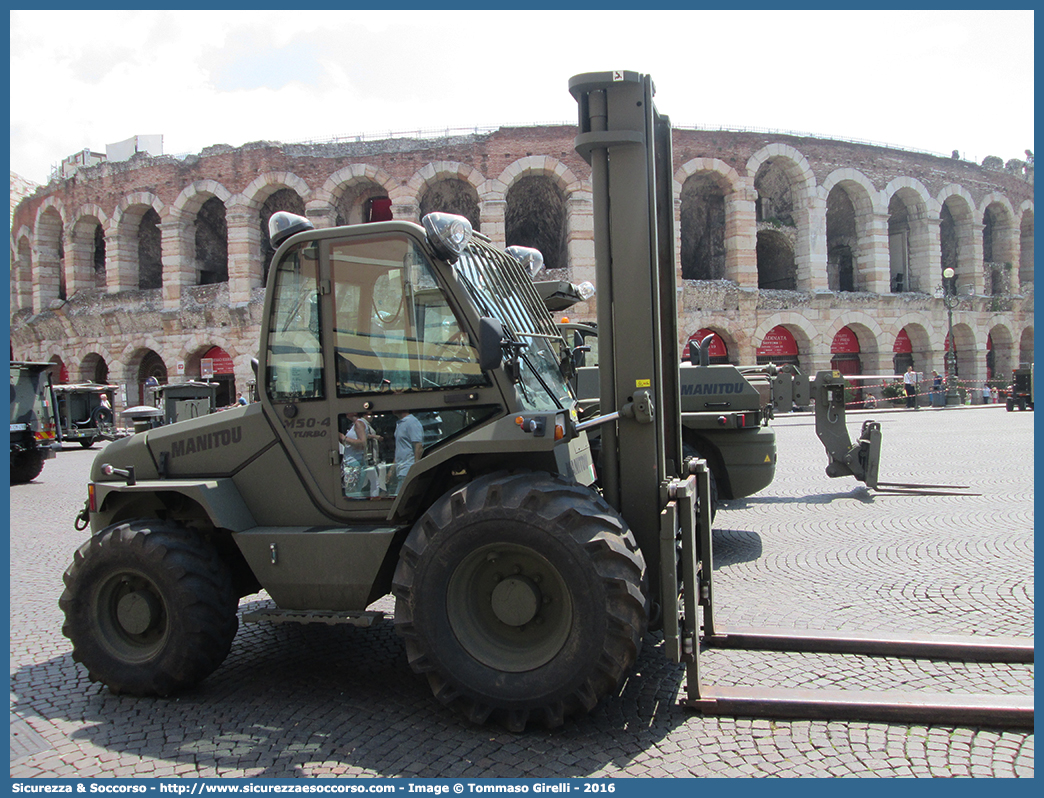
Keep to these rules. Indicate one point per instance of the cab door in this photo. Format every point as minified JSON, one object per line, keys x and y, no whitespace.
{"x":363,"y":341}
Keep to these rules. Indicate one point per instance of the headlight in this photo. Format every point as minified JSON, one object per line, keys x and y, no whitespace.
{"x":448,"y":234}
{"x":282,"y":225}
{"x":528,"y":257}
{"x":586,"y":289}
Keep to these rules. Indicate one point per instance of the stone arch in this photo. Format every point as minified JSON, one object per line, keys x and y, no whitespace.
{"x":999,"y":244}
{"x":911,"y":250}
{"x":49,"y":254}
{"x":87,"y":249}
{"x":93,"y":367}
{"x":959,"y":241}
{"x":267,"y":194}
{"x":535,"y":216}
{"x":804,"y":334}
{"x":137,"y":213}
{"x":1026,"y":346}
{"x":731,"y":342}
{"x":784,"y":186}
{"x":540,"y":199}
{"x":702,"y":188}
{"x":925,"y":355}
{"x":1025,"y":245}
{"x":1001,"y":356}
{"x":347,"y":194}
{"x":22,"y":270}
{"x":449,"y":187}
{"x":969,"y":369}
{"x":851,"y":205}
{"x":141,"y":360}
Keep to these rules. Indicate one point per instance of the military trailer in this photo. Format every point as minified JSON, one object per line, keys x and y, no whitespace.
{"x":523,"y":589}
{"x":1020,"y":392}
{"x":181,"y":401}
{"x":34,"y":429}
{"x":85,"y":412}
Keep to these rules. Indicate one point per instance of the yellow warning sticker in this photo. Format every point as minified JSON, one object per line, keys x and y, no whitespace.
{"x":643,"y":383}
{"x":768,"y":458}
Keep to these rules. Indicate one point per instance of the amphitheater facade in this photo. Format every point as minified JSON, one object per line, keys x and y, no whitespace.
{"x":792,"y":249}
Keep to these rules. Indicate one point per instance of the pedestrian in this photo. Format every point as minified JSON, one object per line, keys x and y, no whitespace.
{"x":409,"y":443}
{"x":985,"y":393}
{"x":937,"y":389}
{"x":358,"y":465}
{"x":910,"y":384}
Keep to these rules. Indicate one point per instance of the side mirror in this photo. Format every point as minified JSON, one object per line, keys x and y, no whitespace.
{"x":490,"y":350}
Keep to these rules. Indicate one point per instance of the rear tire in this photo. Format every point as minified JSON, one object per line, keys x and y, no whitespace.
{"x":25,"y":467}
{"x":86,"y":443}
{"x":149,"y":608}
{"x":520,"y":597}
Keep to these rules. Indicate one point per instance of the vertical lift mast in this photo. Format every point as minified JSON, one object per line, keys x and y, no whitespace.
{"x":628,"y":145}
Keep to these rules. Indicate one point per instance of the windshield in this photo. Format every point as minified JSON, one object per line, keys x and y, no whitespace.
{"x":502,"y":290}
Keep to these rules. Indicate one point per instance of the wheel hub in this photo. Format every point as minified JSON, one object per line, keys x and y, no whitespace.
{"x":137,"y":612}
{"x":515,"y":600}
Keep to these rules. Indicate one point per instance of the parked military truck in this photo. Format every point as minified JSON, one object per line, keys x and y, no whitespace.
{"x":85,"y":412}
{"x":34,"y":431}
{"x":522,"y":591}
{"x":722,"y":412}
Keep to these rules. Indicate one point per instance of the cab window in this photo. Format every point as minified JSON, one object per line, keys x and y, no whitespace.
{"x":393,"y":328}
{"x":294,"y":348}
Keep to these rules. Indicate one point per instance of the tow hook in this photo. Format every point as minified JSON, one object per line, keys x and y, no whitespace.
{"x":83,"y":518}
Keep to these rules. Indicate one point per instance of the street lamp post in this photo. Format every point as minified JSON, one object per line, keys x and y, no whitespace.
{"x":951,"y":300}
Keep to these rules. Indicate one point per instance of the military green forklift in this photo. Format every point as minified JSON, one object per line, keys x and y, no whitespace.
{"x":417,"y":433}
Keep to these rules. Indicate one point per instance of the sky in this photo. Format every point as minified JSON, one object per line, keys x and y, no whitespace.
{"x":924,"y":80}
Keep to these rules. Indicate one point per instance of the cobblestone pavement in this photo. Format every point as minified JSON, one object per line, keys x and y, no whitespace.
{"x":808,"y":553}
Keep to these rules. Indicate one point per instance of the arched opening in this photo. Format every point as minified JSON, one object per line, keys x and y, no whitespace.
{"x":98,"y":258}
{"x":719,"y":349}
{"x":996,"y":259}
{"x":285,"y":199}
{"x":49,"y":279}
{"x":776,"y":266}
{"x":1026,"y":347}
{"x":844,"y":357}
{"x":23,"y":282}
{"x":59,"y":371}
{"x":535,"y":216}
{"x":899,"y":245}
{"x":361,"y":203}
{"x":215,"y":365}
{"x":211,"y":242}
{"x":955,"y":238}
{"x":1026,"y":248}
{"x":150,"y":251}
{"x":902,"y":352}
{"x":779,"y":346}
{"x":702,"y":228}
{"x":151,"y":365}
{"x":842,"y":240}
{"x":93,"y":368}
{"x":451,"y":195}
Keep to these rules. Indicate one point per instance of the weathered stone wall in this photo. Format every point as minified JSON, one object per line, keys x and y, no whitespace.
{"x":64,"y":306}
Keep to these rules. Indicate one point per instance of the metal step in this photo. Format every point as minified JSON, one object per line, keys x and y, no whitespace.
{"x":330,"y":617}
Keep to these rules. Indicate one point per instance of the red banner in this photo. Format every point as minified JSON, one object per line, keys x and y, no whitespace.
{"x":778,"y":343}
{"x":902,"y":345}
{"x":845,"y":343}
{"x":222,"y":361}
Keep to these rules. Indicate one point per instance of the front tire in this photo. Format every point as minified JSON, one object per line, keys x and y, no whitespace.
{"x":149,"y":608}
{"x":520,"y":597}
{"x":25,"y":467}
